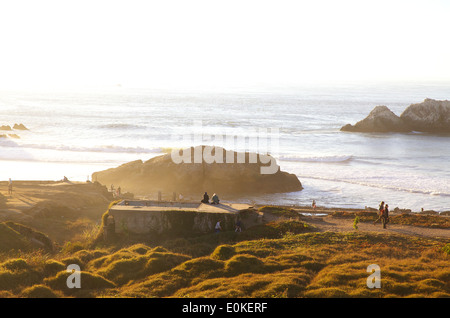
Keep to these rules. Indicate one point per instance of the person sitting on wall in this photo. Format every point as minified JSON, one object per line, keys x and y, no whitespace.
{"x":205,"y":198}
{"x":215,"y":199}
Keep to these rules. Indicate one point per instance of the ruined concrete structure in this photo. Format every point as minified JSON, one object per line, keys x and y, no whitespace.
{"x":178,"y":218}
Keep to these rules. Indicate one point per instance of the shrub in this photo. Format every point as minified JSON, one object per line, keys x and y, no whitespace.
{"x":140,"y":249}
{"x":39,"y":291}
{"x":51,"y":267}
{"x":122,"y":271}
{"x":244,"y":263}
{"x":446,"y":248}
{"x":223,"y":252}
{"x":104,"y":261}
{"x":159,"y":262}
{"x":10,"y":280}
{"x":199,"y":267}
{"x":89,"y":281}
{"x":72,"y":260}
{"x":355,"y":222}
{"x":15,"y":264}
{"x":72,"y":247}
{"x":88,"y":255}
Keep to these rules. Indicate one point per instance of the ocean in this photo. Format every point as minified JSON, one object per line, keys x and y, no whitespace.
{"x":76,"y":132}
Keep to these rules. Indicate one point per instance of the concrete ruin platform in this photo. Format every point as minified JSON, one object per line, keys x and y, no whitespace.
{"x":165,"y":217}
{"x":148,"y":205}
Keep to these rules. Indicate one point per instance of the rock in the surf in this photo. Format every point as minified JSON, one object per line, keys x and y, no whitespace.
{"x":163,"y":173}
{"x":429,"y":116}
{"x":380,"y":119}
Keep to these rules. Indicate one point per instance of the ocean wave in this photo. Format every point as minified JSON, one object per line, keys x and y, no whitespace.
{"x":121,"y":126}
{"x":320,"y":159}
{"x":104,"y":148}
{"x":380,"y":186}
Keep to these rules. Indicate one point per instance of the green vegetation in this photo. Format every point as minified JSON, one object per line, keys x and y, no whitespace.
{"x":284,"y":258}
{"x":355,"y":222}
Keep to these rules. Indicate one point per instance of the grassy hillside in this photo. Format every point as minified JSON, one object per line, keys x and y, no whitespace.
{"x":278,"y":259}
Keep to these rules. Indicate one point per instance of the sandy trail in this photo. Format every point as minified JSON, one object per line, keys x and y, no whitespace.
{"x":328,"y":223}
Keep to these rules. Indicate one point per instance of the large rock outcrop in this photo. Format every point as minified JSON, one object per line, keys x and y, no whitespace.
{"x":429,"y":116}
{"x":196,"y":175}
{"x":380,"y":119}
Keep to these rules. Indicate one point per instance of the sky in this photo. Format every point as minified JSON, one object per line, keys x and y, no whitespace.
{"x":212,"y":43}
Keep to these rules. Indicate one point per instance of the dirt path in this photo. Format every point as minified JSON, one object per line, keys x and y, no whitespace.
{"x":328,"y":223}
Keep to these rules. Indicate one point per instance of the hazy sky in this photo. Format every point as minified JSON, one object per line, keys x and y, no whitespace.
{"x":214,"y":43}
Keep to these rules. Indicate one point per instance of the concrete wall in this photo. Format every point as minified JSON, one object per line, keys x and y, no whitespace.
{"x":170,"y":222}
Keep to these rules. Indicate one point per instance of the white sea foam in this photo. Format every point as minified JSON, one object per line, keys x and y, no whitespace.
{"x":103,"y":149}
{"x":333,"y":159}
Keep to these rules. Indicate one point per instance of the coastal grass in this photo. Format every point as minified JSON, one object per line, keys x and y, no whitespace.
{"x":279,"y":211}
{"x":282,"y":259}
{"x":414,"y":219}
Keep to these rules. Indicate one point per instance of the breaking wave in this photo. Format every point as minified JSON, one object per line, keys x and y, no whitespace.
{"x":381,"y":186}
{"x":320,"y":159}
{"x":103,"y":149}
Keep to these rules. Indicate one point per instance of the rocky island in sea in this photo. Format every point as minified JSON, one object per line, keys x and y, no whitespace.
{"x":161,"y":173}
{"x":432,"y":116}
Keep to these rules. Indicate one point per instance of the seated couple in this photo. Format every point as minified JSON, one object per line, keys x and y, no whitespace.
{"x":214,"y":199}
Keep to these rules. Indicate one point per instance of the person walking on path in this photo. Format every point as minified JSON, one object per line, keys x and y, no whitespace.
{"x":385,"y":216}
{"x":380,"y":212}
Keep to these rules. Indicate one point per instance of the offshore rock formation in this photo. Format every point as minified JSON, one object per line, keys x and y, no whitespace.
{"x":196,"y":176}
{"x":380,"y":119}
{"x":429,"y":116}
{"x":20,"y":127}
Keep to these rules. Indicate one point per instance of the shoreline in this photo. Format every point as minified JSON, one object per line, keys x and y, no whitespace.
{"x":301,"y":208}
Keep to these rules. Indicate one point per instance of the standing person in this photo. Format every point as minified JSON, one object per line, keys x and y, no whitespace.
{"x":385,"y":216}
{"x":10,"y":187}
{"x":380,"y":212}
{"x":314,"y":204}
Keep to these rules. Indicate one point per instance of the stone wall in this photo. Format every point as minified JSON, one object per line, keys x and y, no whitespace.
{"x":170,"y":222}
